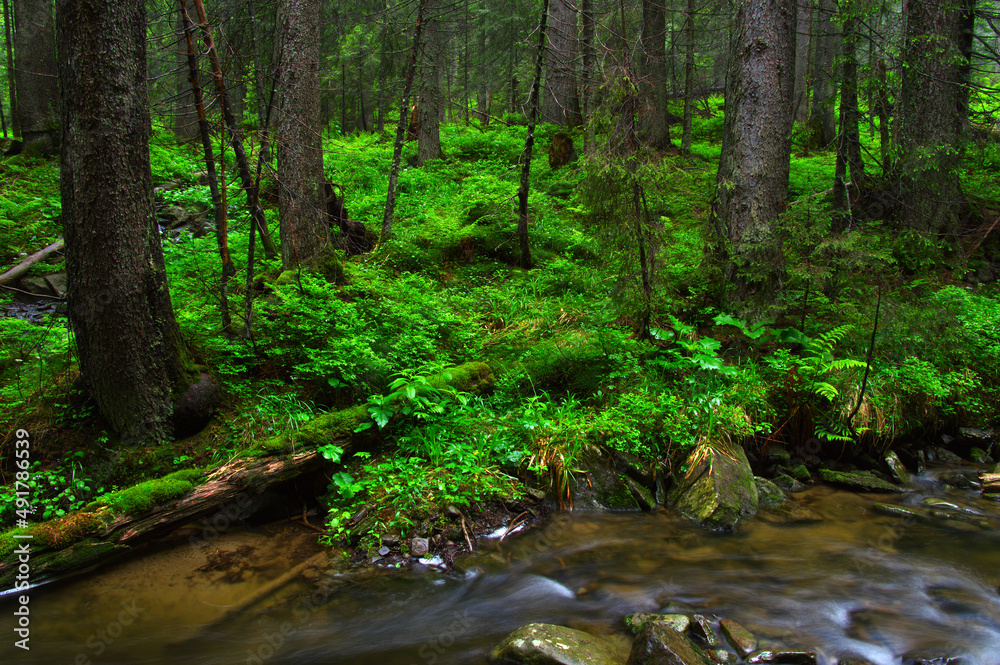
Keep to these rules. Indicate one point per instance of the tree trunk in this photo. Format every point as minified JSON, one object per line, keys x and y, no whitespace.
{"x":933,"y":113}
{"x":242,"y":164}
{"x":37,"y":101}
{"x":752,"y":180}
{"x":803,"y":44}
{"x":849,"y":141}
{"x":301,"y":198}
{"x":688,"y":76}
{"x":218,"y":207}
{"x":131,"y":355}
{"x":431,"y":103}
{"x":588,"y":25}
{"x":185,"y":120}
{"x":823,"y":119}
{"x":654,"y":111}
{"x":562,"y":101}
{"x":404,"y":108}
{"x":8,"y":25}
{"x":529,"y":143}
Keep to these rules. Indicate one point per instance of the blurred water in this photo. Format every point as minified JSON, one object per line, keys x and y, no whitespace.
{"x":850,"y":583}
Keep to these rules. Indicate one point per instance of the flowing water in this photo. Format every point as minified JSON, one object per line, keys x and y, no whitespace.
{"x":832,"y":575}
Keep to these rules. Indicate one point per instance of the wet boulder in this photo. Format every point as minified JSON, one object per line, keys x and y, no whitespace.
{"x":859,"y":481}
{"x":743,"y":640}
{"x":898,"y":469}
{"x":635,"y":622}
{"x":602,"y":486}
{"x":546,"y":644}
{"x":769,"y":495}
{"x":658,"y":644}
{"x":718,"y":488}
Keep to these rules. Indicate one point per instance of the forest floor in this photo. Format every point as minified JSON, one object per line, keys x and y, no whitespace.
{"x":569,"y":368}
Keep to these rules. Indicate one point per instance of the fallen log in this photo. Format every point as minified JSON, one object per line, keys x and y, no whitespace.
{"x":22,"y":268}
{"x":118,"y":524}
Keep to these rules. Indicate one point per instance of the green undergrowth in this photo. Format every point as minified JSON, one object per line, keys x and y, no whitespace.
{"x":571,"y":365}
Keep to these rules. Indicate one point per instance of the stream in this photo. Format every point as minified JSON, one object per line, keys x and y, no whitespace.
{"x":833,"y":575}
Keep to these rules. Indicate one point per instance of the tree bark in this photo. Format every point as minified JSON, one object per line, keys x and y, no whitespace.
{"x":131,"y":355}
{"x":8,"y":25}
{"x":431,"y":104}
{"x":562,"y":101}
{"x":823,"y":119}
{"x":587,"y":30}
{"x":37,"y":101}
{"x":752,"y":181}
{"x":849,"y":141}
{"x":301,"y":198}
{"x":803,"y":44}
{"x":185,"y":120}
{"x":934,"y":113}
{"x":688,"y":76}
{"x":655,"y":113}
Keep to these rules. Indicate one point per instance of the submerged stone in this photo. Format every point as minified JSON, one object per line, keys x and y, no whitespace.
{"x":862,"y":481}
{"x":656,"y":644}
{"x":547,"y":644}
{"x":739,"y":637}
{"x":718,"y":489}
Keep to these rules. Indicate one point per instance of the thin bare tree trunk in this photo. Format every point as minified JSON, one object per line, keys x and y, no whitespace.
{"x":221,"y":226}
{"x":688,"y":76}
{"x":8,"y":24}
{"x":587,"y":37}
{"x":529,"y":142}
{"x":242,"y":164}
{"x":397,"y":151}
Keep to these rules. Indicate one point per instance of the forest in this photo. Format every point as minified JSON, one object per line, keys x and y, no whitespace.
{"x":410,"y":270}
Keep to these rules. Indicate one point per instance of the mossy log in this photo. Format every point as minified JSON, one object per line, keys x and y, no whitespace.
{"x":127,"y":519}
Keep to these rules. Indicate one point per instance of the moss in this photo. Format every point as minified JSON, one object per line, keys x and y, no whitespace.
{"x":864,"y":481}
{"x":769,"y":494}
{"x":473,"y":377}
{"x":75,"y":557}
{"x":146,"y":495}
{"x":331,"y":426}
{"x":8,"y":541}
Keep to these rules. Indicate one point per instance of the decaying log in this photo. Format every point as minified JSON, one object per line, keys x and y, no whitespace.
{"x":21,"y":268}
{"x":93,"y":535}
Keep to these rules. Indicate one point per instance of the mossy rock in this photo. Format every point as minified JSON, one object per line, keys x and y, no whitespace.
{"x":546,"y":644}
{"x":769,"y":495}
{"x":599,"y":486}
{"x":862,"y":481}
{"x":719,"y":488}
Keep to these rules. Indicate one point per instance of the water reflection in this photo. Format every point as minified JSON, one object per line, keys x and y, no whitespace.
{"x":832,"y":574}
